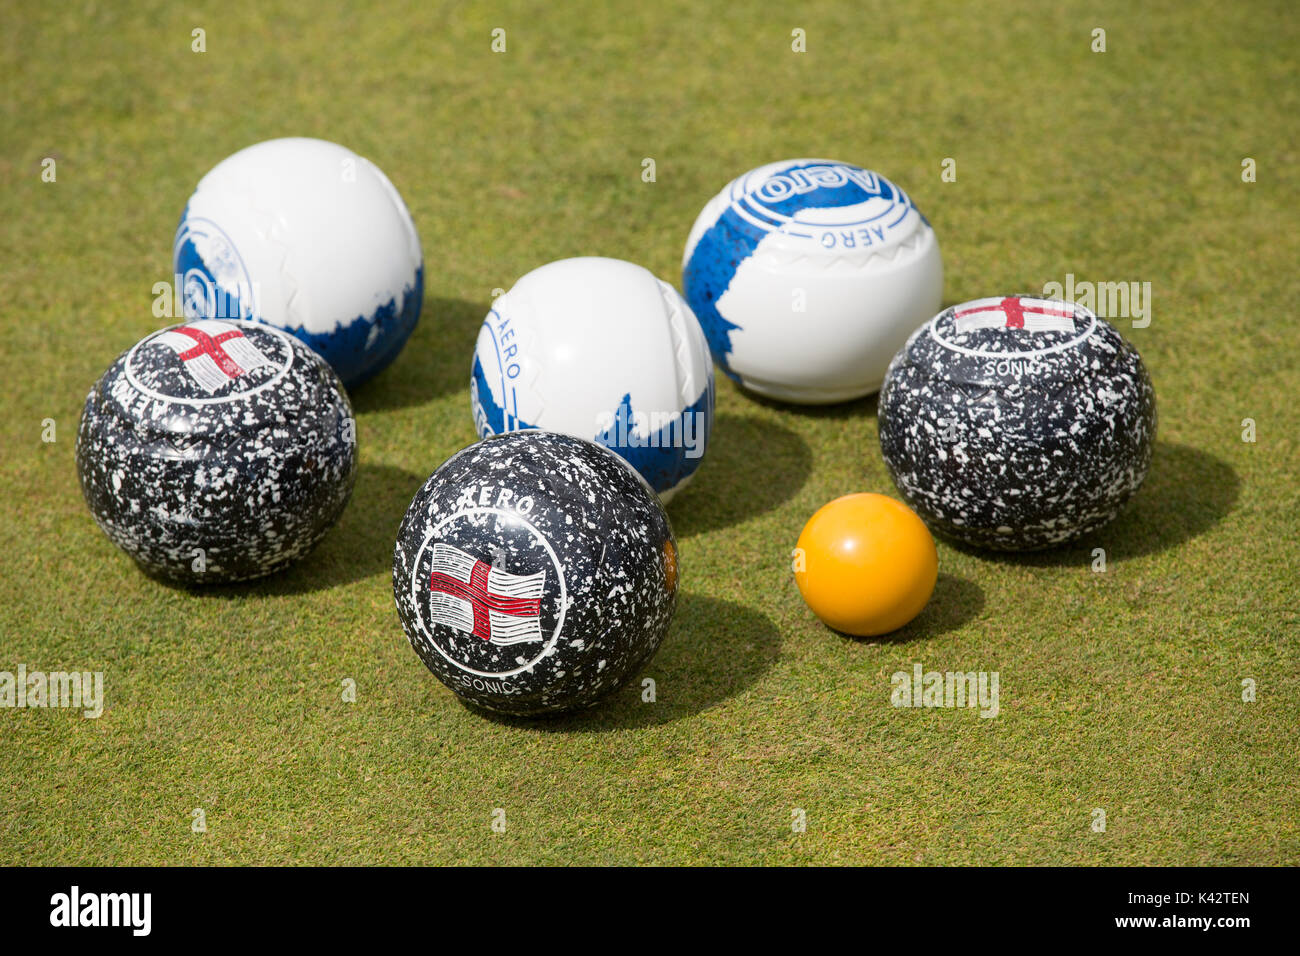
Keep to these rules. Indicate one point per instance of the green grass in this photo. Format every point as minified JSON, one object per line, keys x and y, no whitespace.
{"x":1119,"y":691}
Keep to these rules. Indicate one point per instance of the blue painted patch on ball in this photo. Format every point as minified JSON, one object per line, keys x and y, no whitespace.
{"x":662,"y":457}
{"x":733,"y":238}
{"x":355,"y":350}
{"x":490,"y":417}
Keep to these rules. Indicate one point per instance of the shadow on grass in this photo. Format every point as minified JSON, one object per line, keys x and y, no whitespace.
{"x":714,"y":651}
{"x":1187,"y":492}
{"x":864,"y":407}
{"x":434,"y":362}
{"x":751,"y":467}
{"x":954,"y":602}
{"x":359,"y":546}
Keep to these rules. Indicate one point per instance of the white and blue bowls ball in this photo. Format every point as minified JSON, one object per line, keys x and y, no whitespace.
{"x":808,"y":275}
{"x":602,"y":350}
{"x":308,"y":237}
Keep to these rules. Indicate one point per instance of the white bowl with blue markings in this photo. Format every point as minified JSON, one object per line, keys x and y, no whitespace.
{"x":599,"y":349}
{"x":309,"y":237}
{"x":807,"y":276}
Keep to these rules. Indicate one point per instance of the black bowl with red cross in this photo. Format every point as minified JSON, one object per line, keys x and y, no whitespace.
{"x":217,"y":451}
{"x":535,"y":573}
{"x":1017,"y":422}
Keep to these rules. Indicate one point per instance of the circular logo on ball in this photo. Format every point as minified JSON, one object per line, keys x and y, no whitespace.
{"x":215,"y":283}
{"x":208,"y":362}
{"x":489,"y":591}
{"x":1016,"y":326}
{"x":838,"y":205}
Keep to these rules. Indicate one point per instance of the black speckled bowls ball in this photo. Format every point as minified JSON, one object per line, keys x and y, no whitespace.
{"x":535,"y":573}
{"x":1017,"y":423}
{"x":217,"y":451}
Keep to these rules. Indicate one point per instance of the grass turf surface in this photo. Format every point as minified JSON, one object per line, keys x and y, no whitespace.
{"x":1119,"y":691}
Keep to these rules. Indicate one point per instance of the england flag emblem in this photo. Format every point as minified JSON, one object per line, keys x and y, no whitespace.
{"x":213,"y":352}
{"x":1015,"y":312}
{"x":472,"y":596}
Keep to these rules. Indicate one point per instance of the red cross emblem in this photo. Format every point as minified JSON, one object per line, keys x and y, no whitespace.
{"x":214,"y":353}
{"x":210,"y":345}
{"x":472,"y":596}
{"x":1015,"y":312}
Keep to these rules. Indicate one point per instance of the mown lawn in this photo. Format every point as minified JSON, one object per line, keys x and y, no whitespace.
{"x":1120,"y":691}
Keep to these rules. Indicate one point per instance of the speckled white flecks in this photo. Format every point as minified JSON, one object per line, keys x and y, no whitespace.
{"x":223,"y":475}
{"x":538,"y":502}
{"x":1014,"y":438}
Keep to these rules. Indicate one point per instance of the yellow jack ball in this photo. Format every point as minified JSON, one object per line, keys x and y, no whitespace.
{"x":866,"y":564}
